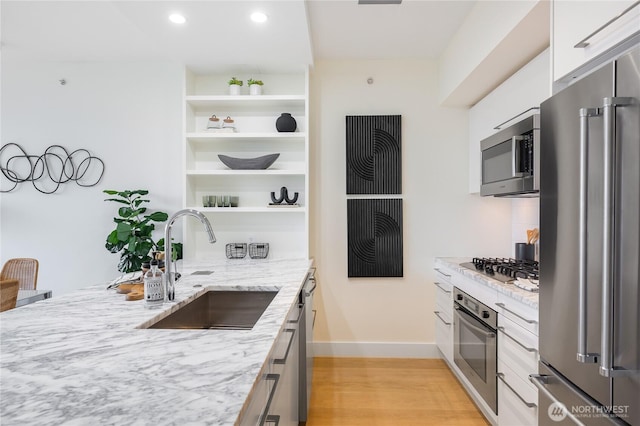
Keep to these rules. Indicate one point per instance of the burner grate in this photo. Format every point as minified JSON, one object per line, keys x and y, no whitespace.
{"x":507,"y":270}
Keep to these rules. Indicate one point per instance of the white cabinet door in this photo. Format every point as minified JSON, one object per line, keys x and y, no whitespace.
{"x":517,"y":403}
{"x":444,"y":319}
{"x":283,"y":410}
{"x":257,"y":406}
{"x":517,"y":359}
{"x":573,"y":21}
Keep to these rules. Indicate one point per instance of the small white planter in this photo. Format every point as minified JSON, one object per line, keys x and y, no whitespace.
{"x":255,"y":89}
{"x":234,"y":89}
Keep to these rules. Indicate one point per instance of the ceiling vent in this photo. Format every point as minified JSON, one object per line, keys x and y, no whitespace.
{"x":379,"y":1}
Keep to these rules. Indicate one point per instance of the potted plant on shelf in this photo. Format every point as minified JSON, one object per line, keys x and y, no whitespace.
{"x":133,"y":234}
{"x":234,"y":86}
{"x":255,"y":86}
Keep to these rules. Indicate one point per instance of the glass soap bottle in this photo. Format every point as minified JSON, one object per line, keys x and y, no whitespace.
{"x":153,"y":287}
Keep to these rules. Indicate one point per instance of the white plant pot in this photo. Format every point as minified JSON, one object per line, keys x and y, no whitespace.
{"x":255,"y":89}
{"x":234,"y":89}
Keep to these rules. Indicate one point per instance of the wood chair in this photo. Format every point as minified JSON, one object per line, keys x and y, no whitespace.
{"x":8,"y":294}
{"x":25,"y":270}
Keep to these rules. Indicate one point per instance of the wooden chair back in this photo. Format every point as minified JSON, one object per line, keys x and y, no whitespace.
{"x":25,"y":270}
{"x":8,"y":294}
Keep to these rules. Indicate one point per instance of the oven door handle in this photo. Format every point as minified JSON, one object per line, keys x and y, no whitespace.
{"x":462,"y":314}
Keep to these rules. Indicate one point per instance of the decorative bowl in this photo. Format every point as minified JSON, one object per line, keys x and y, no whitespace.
{"x":258,"y":163}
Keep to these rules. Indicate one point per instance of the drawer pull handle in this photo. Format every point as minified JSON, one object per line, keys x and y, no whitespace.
{"x":529,"y":321}
{"x":272,"y":419}
{"x":528,"y":404}
{"x":446,"y":275}
{"x":297,"y":320}
{"x":442,"y":288}
{"x":286,"y":355}
{"x":585,"y":41}
{"x":264,"y":417}
{"x":515,"y":340}
{"x":441,"y":319}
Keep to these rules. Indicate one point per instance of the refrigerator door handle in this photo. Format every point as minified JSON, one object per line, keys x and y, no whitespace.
{"x":582,"y":355}
{"x":539,"y":381}
{"x":607,"y":369}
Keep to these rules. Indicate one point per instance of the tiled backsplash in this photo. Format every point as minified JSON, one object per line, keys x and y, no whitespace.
{"x":525,"y":214}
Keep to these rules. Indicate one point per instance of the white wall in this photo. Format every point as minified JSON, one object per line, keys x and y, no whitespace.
{"x":495,"y":40}
{"x":440,"y":217}
{"x":525,"y":215}
{"x":129,"y":115}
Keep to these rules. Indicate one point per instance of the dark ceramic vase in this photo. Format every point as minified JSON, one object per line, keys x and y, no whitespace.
{"x":286,"y":123}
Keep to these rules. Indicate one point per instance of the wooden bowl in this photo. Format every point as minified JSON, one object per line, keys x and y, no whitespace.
{"x":129,"y":287}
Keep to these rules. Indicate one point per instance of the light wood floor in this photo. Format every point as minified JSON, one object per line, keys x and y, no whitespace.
{"x":394,"y":392}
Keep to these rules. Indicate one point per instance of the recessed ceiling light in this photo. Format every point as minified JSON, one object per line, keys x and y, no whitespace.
{"x":258,"y":17}
{"x":176,"y":18}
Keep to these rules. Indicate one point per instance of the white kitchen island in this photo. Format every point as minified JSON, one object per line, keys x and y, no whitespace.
{"x":83,"y":359}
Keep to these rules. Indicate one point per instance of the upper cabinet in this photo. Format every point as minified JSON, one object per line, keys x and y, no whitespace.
{"x":525,"y":89}
{"x":587,"y":33}
{"x":247,"y":130}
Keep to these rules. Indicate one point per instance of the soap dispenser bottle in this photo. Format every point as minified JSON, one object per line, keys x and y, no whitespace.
{"x":153,"y":287}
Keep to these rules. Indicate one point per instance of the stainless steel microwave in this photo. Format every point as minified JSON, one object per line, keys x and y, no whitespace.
{"x":510,"y":160}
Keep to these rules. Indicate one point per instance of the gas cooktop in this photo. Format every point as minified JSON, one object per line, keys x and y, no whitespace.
{"x":521,"y":273}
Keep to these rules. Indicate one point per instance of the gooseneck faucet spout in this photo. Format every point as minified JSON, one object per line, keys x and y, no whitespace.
{"x":170,"y":277}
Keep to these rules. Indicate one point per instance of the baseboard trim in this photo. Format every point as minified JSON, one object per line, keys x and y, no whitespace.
{"x":376,"y":349}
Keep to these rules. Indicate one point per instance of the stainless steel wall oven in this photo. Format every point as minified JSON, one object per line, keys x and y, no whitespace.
{"x":475,"y":345}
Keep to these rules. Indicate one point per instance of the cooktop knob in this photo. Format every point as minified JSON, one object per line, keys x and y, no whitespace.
{"x":460,"y":297}
{"x":485,"y":314}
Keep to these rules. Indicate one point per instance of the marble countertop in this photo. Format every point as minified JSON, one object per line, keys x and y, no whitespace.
{"x":527,"y":297}
{"x":80,"y":358}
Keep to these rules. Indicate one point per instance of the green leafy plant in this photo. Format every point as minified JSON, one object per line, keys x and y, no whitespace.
{"x":134,"y":228}
{"x":252,"y":81}
{"x":235,"y":81}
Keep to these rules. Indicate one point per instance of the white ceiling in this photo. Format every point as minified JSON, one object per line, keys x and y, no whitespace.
{"x":415,"y":29}
{"x":219,"y":34}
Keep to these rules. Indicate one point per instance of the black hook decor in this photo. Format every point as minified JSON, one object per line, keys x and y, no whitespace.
{"x":284,"y":196}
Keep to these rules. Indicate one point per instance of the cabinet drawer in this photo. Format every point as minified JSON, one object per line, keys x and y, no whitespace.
{"x":517,"y":402}
{"x":444,"y":299}
{"x":258,"y":404}
{"x":443,"y":275}
{"x":444,"y":336}
{"x":523,"y":315}
{"x":517,"y":349}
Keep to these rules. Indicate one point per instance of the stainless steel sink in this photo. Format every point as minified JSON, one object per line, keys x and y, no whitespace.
{"x":234,"y":310}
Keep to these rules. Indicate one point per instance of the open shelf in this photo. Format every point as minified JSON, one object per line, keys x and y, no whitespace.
{"x":248,"y":135}
{"x":286,"y":229}
{"x":267,"y":172}
{"x":231,"y":210}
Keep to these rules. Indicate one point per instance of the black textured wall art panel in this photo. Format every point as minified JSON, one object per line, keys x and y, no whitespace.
{"x":374,"y":163}
{"x":374,"y":237}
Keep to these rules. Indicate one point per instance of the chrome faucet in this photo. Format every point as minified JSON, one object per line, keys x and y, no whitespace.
{"x":170,"y":278}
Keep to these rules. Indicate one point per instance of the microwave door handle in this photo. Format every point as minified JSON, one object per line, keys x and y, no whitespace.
{"x":515,"y":156}
{"x":583,"y":356}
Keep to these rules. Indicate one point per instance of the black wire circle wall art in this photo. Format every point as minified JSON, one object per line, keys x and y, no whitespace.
{"x":48,"y":171}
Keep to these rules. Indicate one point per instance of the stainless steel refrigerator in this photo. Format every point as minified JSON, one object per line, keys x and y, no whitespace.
{"x":589,"y":366}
